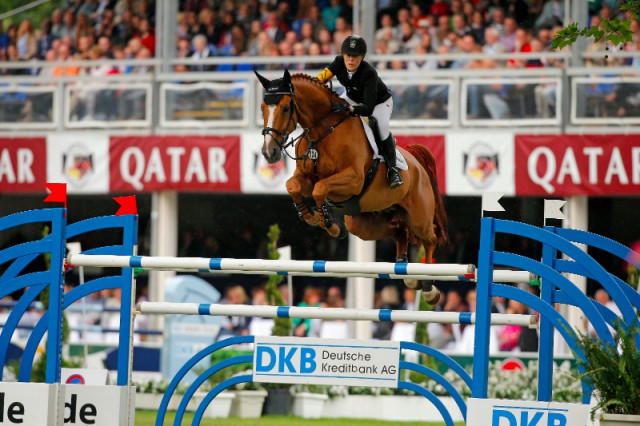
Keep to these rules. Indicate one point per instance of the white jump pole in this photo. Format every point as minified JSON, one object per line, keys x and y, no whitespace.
{"x":499,"y":276}
{"x":222,"y":264}
{"x":264,"y":311}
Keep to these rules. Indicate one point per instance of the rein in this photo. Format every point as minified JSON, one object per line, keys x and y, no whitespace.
{"x":283,"y":135}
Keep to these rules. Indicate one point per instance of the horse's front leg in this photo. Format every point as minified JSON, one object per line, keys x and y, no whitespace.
{"x":346,"y":182}
{"x":299,"y":186}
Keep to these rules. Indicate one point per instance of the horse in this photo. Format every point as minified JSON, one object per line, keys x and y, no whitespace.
{"x":336,"y":172}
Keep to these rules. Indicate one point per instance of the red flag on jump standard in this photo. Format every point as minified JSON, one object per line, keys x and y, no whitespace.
{"x":57,"y":194}
{"x":127,"y":205}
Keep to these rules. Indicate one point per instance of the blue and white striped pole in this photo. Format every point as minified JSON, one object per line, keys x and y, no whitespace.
{"x":266,"y":311}
{"x":440,"y":272}
{"x":292,"y":266}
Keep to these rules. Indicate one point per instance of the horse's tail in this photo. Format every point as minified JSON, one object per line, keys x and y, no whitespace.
{"x":428,"y":162}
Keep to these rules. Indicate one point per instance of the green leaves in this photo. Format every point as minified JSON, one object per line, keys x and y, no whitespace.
{"x":613,"y":370}
{"x":616,"y":30}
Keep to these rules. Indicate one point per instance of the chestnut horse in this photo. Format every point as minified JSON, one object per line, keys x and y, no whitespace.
{"x":333,"y":160}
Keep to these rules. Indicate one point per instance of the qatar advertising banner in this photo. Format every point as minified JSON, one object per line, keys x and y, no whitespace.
{"x":23,"y":165}
{"x":566,"y":165}
{"x":480,"y":162}
{"x":182,"y":163}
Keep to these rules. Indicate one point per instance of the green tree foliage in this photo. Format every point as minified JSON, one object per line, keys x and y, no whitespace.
{"x":36,"y":15}
{"x":282,"y":326}
{"x":616,"y":30}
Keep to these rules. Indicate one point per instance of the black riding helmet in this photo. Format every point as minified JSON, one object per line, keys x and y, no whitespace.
{"x":354,"y":45}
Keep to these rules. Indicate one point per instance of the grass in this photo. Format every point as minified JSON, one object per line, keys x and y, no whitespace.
{"x":148,"y":418}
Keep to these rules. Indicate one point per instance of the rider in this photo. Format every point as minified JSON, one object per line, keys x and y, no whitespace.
{"x":369,"y":95}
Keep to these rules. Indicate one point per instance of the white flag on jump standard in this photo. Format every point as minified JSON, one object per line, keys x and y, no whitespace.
{"x":491,"y":202}
{"x":552,"y":209}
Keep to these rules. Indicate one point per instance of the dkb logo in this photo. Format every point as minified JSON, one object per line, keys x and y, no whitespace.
{"x":528,"y":416}
{"x":285,"y":360}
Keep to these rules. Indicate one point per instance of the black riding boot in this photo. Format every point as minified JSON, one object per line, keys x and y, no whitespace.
{"x":389,"y":154}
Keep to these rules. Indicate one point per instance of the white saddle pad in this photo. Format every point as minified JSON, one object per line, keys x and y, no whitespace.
{"x":401,"y":163}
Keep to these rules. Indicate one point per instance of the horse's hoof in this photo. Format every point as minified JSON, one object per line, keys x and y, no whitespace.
{"x":402,"y":259}
{"x":412,"y":283}
{"x":343,"y":229}
{"x":431,"y":297}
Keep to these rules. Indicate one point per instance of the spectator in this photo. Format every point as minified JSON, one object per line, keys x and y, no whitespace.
{"x":343,"y":30}
{"x":285,"y":49}
{"x":409,"y":39}
{"x":83,"y":45}
{"x":335,"y":299}
{"x":307,"y":36}
{"x":123,"y":31}
{"x":64,"y":55}
{"x":386,"y":26}
{"x":69,"y":28}
{"x":330,"y":14}
{"x":146,"y":36}
{"x":245,"y":16}
{"x":56,"y":23}
{"x":417,"y":15}
{"x":409,"y":300}
{"x":467,"y":45}
{"x":27,"y":42}
{"x":497,"y":19}
{"x":200,"y":51}
{"x":510,"y":334}
{"x":315,"y":17}
{"x":306,"y":327}
{"x":442,"y":32}
{"x":274,"y":27}
{"x":439,"y":8}
{"x":105,"y":45}
{"x":326,"y":43}
{"x":519,"y":9}
{"x":459,"y":25}
{"x":552,"y":14}
{"x":314,"y":50}
{"x":45,"y":40}
{"x":492,"y":45}
{"x":83,"y":27}
{"x":509,"y":36}
{"x":237,"y":325}
{"x":259,"y":296}
{"x":299,"y":50}
{"x":389,"y":299}
{"x":477,"y":27}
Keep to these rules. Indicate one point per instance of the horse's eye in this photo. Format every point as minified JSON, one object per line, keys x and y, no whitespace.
{"x":285,"y":108}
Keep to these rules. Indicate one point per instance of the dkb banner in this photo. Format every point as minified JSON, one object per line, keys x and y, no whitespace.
{"x":326,"y":361}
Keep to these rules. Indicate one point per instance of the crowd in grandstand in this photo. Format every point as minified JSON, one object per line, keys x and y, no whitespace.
{"x":91,"y":29}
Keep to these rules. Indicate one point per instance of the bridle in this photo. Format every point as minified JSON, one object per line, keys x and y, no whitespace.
{"x":281,"y":136}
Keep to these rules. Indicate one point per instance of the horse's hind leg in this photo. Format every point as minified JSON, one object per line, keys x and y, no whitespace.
{"x":430,"y":292}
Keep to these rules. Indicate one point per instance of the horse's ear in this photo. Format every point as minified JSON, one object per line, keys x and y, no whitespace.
{"x":264,"y":81}
{"x":287,"y":78}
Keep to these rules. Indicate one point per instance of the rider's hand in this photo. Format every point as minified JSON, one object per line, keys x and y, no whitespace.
{"x":342,"y":107}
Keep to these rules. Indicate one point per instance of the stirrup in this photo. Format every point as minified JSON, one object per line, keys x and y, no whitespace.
{"x":393,"y":178}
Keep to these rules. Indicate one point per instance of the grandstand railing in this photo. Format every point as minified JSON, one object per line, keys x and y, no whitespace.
{"x":149,"y":98}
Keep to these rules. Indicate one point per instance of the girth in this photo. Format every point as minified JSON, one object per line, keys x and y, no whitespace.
{"x":351,"y":207}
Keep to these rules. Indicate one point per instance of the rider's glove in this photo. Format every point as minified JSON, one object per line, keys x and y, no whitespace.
{"x":342,"y":107}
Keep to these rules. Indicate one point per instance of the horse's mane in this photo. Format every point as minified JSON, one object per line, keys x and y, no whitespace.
{"x":316,"y":83}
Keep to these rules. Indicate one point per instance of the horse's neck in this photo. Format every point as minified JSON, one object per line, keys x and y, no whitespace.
{"x":312,"y":103}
